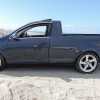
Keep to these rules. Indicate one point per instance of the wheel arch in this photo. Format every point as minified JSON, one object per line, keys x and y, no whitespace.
{"x":1,"y":54}
{"x":88,"y":51}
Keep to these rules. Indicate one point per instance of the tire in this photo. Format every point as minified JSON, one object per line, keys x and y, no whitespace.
{"x":87,"y":63}
{"x":2,"y":63}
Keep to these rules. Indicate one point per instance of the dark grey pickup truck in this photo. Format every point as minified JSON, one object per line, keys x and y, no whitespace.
{"x":44,"y":42}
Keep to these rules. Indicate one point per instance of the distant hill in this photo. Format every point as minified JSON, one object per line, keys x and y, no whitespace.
{"x":3,"y":32}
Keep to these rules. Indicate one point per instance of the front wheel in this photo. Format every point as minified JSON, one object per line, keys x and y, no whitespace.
{"x":87,"y":63}
{"x":2,"y":63}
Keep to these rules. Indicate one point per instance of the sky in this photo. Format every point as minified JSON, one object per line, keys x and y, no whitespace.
{"x":77,"y":16}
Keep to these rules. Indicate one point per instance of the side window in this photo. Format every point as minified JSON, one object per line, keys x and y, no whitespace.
{"x":36,"y":31}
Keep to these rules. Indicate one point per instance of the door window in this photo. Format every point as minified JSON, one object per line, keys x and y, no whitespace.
{"x":34,"y":32}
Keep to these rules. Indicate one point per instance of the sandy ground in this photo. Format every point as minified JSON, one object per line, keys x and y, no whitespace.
{"x":48,"y":82}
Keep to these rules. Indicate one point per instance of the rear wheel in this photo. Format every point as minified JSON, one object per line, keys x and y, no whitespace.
{"x":2,"y":63}
{"x":87,"y":63}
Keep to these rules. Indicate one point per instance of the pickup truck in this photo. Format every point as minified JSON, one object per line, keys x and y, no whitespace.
{"x":44,"y":42}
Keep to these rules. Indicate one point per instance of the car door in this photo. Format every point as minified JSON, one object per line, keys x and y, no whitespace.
{"x":31,"y":45}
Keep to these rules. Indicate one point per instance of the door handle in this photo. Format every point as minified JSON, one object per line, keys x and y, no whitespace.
{"x":39,"y":45}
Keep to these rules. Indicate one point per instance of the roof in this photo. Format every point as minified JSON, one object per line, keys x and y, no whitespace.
{"x":36,"y":22}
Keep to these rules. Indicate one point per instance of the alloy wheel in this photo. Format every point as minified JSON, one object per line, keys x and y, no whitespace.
{"x":0,"y":62}
{"x":88,"y":63}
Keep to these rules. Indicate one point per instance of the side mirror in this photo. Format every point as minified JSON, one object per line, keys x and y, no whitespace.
{"x":13,"y":37}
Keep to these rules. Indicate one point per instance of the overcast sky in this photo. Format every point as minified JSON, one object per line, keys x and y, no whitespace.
{"x":77,"y":16}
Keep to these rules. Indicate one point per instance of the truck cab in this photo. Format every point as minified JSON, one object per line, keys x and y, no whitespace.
{"x":32,"y":42}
